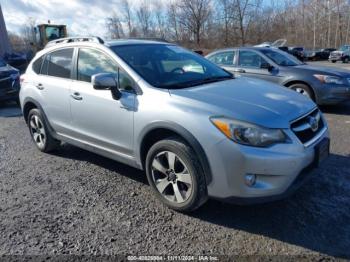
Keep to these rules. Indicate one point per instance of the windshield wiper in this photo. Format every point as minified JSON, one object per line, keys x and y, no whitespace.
{"x":216,"y":78}
{"x":198,"y":82}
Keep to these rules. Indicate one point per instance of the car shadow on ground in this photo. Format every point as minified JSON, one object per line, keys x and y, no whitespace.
{"x":72,"y":152}
{"x":339,"y":109}
{"x":316,"y":217}
{"x":9,"y":109}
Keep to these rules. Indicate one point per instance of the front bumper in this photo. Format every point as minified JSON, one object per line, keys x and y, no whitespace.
{"x":335,"y":58}
{"x":280,"y":170}
{"x":9,"y":89}
{"x":333,"y":94}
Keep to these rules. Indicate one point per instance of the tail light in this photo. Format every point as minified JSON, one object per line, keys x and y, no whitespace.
{"x":21,"y":79}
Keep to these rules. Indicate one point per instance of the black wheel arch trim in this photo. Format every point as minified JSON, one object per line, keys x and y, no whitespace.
{"x":183,"y":132}
{"x":291,"y":82}
{"x":37,"y":104}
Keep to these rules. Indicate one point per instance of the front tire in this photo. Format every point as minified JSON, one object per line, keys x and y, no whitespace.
{"x":175,"y":175}
{"x":334,"y":61}
{"x":303,"y":90}
{"x":40,"y":133}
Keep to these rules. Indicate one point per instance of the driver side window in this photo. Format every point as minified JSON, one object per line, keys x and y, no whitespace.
{"x":91,"y":62}
{"x":250,"y":59}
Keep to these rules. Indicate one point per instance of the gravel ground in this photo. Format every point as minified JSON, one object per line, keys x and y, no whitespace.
{"x":76,"y":202}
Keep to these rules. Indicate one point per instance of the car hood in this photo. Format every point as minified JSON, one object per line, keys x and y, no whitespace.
{"x":247,"y":99}
{"x":323,"y":70}
{"x":7,"y":68}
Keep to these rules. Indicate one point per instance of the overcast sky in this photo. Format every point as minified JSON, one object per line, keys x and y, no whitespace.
{"x":83,"y":17}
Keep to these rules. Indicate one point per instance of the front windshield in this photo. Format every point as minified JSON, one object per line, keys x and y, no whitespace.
{"x":169,"y":66}
{"x":281,"y":58}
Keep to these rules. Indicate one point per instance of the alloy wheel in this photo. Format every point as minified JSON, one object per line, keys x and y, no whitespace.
{"x":302,"y":91}
{"x":38,"y":131}
{"x":171,"y":177}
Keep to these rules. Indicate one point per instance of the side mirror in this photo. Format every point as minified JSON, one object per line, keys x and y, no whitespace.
{"x":106,"y":81}
{"x":266,"y":66}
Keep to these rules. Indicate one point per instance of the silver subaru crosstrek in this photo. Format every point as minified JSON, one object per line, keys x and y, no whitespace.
{"x":195,"y":129}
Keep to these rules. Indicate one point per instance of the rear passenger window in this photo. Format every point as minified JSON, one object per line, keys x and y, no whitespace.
{"x":60,"y":63}
{"x":223,"y":58}
{"x":45,"y":65}
{"x":37,"y":65}
{"x":91,"y":62}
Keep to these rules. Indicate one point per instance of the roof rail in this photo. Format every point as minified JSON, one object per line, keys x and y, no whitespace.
{"x":94,"y":39}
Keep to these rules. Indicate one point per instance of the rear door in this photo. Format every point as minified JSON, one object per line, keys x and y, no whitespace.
{"x":224,"y":59}
{"x":53,"y":84}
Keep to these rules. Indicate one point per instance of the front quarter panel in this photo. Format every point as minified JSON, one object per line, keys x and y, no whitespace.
{"x":156,"y":108}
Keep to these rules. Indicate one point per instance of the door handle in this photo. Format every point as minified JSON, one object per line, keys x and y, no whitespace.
{"x":126,"y":107}
{"x":76,"y":96}
{"x":239,"y":70}
{"x":40,"y":86}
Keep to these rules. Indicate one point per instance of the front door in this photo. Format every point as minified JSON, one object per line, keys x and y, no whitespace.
{"x":97,"y":118}
{"x":250,"y":64}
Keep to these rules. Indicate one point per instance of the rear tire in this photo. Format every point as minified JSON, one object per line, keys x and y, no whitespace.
{"x":346,"y":60}
{"x":334,"y":61}
{"x":175,"y":175}
{"x":40,"y":133}
{"x":303,"y":89}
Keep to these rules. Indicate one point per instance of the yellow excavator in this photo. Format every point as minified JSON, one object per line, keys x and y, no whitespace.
{"x":45,"y":33}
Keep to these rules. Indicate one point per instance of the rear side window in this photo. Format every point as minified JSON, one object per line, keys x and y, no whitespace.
{"x":45,"y":66}
{"x":91,"y":62}
{"x":224,"y":58}
{"x":60,"y":63}
{"x":37,"y":65}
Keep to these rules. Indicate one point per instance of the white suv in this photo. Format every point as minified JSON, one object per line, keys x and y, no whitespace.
{"x":197,"y":131}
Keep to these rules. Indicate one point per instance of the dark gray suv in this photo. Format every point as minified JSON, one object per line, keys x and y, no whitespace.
{"x":322,"y":84}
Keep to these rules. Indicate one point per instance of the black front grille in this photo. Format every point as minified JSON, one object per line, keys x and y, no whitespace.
{"x":8,"y":87}
{"x":4,"y":74}
{"x":305,"y":128}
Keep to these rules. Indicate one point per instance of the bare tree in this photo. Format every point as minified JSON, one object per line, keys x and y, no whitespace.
{"x":225,"y":15}
{"x":160,"y":19}
{"x":194,"y":15}
{"x":212,"y":24}
{"x":173,"y":21}
{"x":127,"y":15}
{"x":28,"y":31}
{"x":115,"y":27}
{"x":144,"y":16}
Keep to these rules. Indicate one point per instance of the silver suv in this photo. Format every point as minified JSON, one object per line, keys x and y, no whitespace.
{"x":196,"y":130}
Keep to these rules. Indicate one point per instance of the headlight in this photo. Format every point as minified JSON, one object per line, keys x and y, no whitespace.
{"x":248,"y":134}
{"x":330,"y":79}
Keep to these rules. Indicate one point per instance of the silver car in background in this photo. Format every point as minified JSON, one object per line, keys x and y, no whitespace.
{"x":196,"y":130}
{"x":324,"y":85}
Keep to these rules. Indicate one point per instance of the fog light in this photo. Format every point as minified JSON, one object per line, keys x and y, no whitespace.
{"x":250,"y":179}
